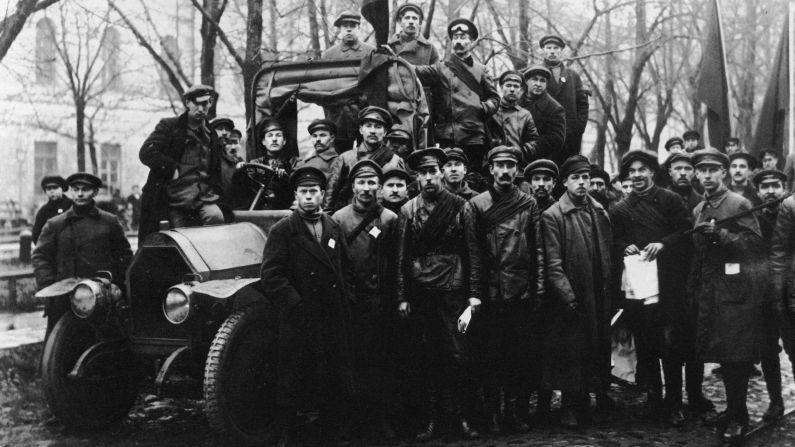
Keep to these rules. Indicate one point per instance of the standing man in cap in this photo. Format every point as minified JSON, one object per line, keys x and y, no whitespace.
{"x":323,"y":133}
{"x":733,"y":145}
{"x":464,"y":96}
{"x":506,"y":264}
{"x":577,"y":242}
{"x":769,"y":159}
{"x":79,"y":242}
{"x":681,"y":172}
{"x":770,"y":187}
{"x":369,"y":231}
{"x":649,"y":223}
{"x":409,"y":43}
{"x":395,"y":191}
{"x":542,"y":175}
{"x":54,"y":187}
{"x":741,"y":168}
{"x":307,"y":271}
{"x":184,"y":160}
{"x":726,"y":282}
{"x":223,"y":127}
{"x":599,"y":184}
{"x":566,"y":87}
{"x":692,"y":140}
{"x":455,"y":171}
{"x":548,"y":115}
{"x":675,"y":145}
{"x":344,"y":115}
{"x":513,"y":125}
{"x":373,"y":123}
{"x":432,"y":287}
{"x":399,"y":141}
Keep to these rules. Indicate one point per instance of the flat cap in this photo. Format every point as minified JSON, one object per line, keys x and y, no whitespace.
{"x":746,"y":156}
{"x":307,"y":176}
{"x":462,"y":24}
{"x":673,"y":140}
{"x":504,"y":153}
{"x":538,"y":69}
{"x":648,"y":158}
{"x":375,"y":113}
{"x":409,"y":7}
{"x":710,"y":156}
{"x":512,"y":75}
{"x":541,"y":166}
{"x":598,"y":172}
{"x":396,"y":172}
{"x":679,"y":156}
{"x":455,"y":153}
{"x":426,"y":157}
{"x":365,"y":168}
{"x":552,"y":39}
{"x":768,"y":175}
{"x":321,"y":124}
{"x":267,"y":125}
{"x":691,"y":135}
{"x":84,"y":178}
{"x":54,"y":180}
{"x":198,"y":93}
{"x":575,"y":163}
{"x":348,"y":16}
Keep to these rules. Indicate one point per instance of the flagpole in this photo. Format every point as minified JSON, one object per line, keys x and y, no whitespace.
{"x":790,"y":77}
{"x":725,"y":64}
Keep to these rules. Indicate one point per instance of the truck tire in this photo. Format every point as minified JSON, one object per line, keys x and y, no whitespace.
{"x":240,"y":377}
{"x":87,"y":403}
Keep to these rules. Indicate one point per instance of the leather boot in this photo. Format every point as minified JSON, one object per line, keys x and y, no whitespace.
{"x":774,"y":411}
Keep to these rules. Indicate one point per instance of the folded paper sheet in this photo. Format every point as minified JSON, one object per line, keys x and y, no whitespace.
{"x":641,"y":281}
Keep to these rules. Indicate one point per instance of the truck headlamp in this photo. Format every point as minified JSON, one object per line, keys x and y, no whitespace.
{"x":86,"y":297}
{"x":176,"y":305}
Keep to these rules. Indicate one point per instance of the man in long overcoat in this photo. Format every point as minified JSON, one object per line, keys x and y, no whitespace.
{"x":727,"y":282}
{"x":548,"y":115}
{"x":577,"y":241}
{"x":307,"y":272}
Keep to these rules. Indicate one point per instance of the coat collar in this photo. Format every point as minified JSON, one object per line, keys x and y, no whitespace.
{"x":93,"y":212}
{"x":420,"y":40}
{"x":633,"y":199}
{"x":567,"y":206}
{"x":355,"y":47}
{"x":322,"y":251}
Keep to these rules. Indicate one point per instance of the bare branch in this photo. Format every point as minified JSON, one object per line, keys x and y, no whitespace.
{"x":221,"y":34}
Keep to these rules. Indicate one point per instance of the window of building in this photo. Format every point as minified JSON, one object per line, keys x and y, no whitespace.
{"x":110,"y":165}
{"x":111,"y":70}
{"x":45,"y":162}
{"x":45,"y":52}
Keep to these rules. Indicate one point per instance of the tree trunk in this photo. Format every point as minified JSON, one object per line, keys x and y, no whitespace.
{"x":745,"y":91}
{"x":524,"y":36}
{"x":252,"y":65}
{"x":92,"y":148}
{"x":642,"y":55}
{"x":327,"y":36}
{"x":273,"y":31}
{"x":80,"y":123}
{"x":426,"y":31}
{"x":314,"y":35}
{"x":209,"y":37}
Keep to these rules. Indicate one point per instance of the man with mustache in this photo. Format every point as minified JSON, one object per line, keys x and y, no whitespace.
{"x":727,"y":282}
{"x":741,"y":167}
{"x":681,"y":172}
{"x":323,"y":134}
{"x":513,"y":125}
{"x":548,"y":115}
{"x":577,"y":244}
{"x":566,"y":87}
{"x":769,"y":159}
{"x":373,"y":123}
{"x":369,"y":231}
{"x":432,"y":289}
{"x":649,"y":223}
{"x":464,"y":96}
{"x":409,"y":43}
{"x":506,"y":262}
{"x":350,"y":47}
{"x":770,"y":186}
{"x":455,"y":171}
{"x":395,"y":191}
{"x":542,"y":174}
{"x":184,"y":160}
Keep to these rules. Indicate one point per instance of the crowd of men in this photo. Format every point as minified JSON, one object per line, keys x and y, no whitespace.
{"x":416,"y":286}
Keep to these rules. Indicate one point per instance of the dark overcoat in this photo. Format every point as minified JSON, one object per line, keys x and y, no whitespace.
{"x":550,"y":120}
{"x":161,"y":152}
{"x":47,"y":211}
{"x":310,"y":284}
{"x":568,"y":90}
{"x":576,"y":349}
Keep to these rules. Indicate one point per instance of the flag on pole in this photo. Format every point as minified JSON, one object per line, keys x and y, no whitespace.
{"x":377,"y":13}
{"x":771,"y":125}
{"x":712,"y":87}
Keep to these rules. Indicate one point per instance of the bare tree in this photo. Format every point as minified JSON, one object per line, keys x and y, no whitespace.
{"x":12,"y":24}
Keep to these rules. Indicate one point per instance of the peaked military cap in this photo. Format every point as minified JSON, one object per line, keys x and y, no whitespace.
{"x":538,"y":69}
{"x":84,"y":178}
{"x":54,"y":180}
{"x":365,"y":168}
{"x":552,"y":39}
{"x":744,"y":155}
{"x":512,"y":75}
{"x":674,"y":140}
{"x":769,"y":174}
{"x":307,"y":176}
{"x":426,"y":157}
{"x":409,"y":7}
{"x":710,"y":156}
{"x":320,"y":124}
{"x":573,"y":164}
{"x":691,"y":135}
{"x":455,"y":153}
{"x":375,"y":113}
{"x":396,"y":172}
{"x":503,"y":153}
{"x":198,"y":93}
{"x":681,"y":156}
{"x":268,"y":125}
{"x":541,"y":166}
{"x":462,"y":24}
{"x":347,"y":16}
{"x":222,"y":120}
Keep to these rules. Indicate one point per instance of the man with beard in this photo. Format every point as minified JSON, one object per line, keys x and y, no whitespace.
{"x":566,"y":87}
{"x":577,"y":242}
{"x":769,"y":159}
{"x":727,"y":283}
{"x":455,"y":171}
{"x":399,"y":141}
{"x":649,"y":223}
{"x":323,"y":133}
{"x":79,"y":242}
{"x":373,"y":122}
{"x":307,"y":272}
{"x":432,"y":287}
{"x":770,"y":186}
{"x":741,"y":168}
{"x":395,"y":191}
{"x":512,"y":125}
{"x":541,"y":175}
{"x":344,"y":115}
{"x":506,"y":261}
{"x":54,"y":187}
{"x":548,"y":115}
{"x":464,"y":96}
{"x":184,"y":160}
{"x":599,"y":181}
{"x":692,"y":141}
{"x":369,"y":231}
{"x":681,"y":172}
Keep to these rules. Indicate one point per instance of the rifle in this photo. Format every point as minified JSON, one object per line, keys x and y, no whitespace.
{"x":742,"y":214}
